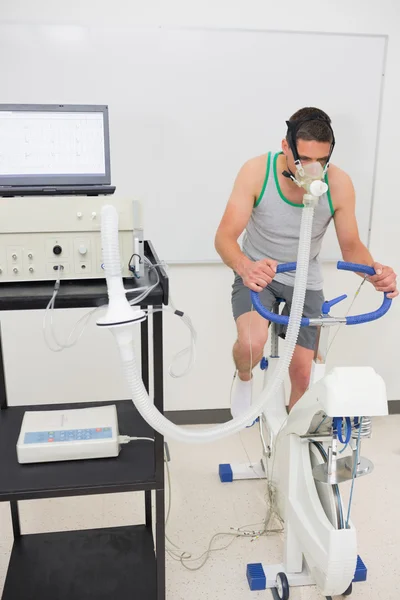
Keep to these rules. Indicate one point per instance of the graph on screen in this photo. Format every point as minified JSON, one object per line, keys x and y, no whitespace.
{"x":51,"y":143}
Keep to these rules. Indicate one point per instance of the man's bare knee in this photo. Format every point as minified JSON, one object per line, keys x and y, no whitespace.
{"x":252,"y":332}
{"x":247,"y":346}
{"x":252,"y":336}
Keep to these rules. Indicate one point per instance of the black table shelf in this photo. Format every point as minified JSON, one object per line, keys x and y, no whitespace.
{"x":133,"y":470}
{"x":118,"y":562}
{"x":109,"y":563}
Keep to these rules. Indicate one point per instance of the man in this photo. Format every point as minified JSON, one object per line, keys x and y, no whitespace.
{"x":267,"y":202}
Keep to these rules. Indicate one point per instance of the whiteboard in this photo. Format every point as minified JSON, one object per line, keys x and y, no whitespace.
{"x":189,"y":106}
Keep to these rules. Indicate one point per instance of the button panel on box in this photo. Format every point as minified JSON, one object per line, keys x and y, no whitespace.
{"x":67,"y":435}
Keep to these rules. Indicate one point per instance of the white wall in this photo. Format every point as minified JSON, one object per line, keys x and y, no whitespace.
{"x":204,"y":291}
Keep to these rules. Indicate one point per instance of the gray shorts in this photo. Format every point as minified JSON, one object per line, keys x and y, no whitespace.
{"x":241,"y":303}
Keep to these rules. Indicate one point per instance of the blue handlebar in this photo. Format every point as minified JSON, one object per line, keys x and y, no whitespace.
{"x":305,"y":322}
{"x":271,"y":316}
{"x":371,"y":316}
{"x":285,"y":267}
{"x":348,"y":266}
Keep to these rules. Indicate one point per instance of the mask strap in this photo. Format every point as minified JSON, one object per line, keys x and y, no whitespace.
{"x":290,"y":175}
{"x":292,"y":129}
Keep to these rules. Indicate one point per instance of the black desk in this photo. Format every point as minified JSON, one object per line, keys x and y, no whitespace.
{"x":109,"y":563}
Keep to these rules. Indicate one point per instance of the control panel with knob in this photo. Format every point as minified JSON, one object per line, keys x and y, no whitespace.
{"x":38,"y":256}
{"x":36,"y":240}
{"x":83,"y":258}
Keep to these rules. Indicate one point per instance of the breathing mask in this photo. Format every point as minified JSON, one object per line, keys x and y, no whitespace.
{"x":311,"y":176}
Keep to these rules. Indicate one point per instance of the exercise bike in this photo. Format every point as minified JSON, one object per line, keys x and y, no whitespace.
{"x":302,"y":463}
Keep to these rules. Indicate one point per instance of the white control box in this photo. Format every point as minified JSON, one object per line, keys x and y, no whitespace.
{"x":40,"y":234}
{"x":75,"y":434}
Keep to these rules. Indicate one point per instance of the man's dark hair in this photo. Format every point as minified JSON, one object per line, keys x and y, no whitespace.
{"x":316,"y":130}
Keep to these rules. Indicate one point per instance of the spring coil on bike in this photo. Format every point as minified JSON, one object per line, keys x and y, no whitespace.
{"x":366,"y":427}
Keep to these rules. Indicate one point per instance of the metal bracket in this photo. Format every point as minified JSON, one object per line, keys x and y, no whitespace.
{"x":343,"y":471}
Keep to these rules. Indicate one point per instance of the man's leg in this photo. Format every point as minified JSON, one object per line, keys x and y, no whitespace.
{"x":252,"y":331}
{"x":300,"y":367}
{"x":252,"y":334}
{"x":300,"y":372}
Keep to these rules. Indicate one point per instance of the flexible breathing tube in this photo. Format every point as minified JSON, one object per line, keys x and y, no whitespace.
{"x":121,"y":326}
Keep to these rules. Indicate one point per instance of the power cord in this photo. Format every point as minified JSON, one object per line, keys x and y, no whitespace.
{"x":126,"y":439}
{"x":354,"y":472}
{"x":189,"y":350}
{"x":131,"y":267}
{"x":251,"y":531}
{"x":272,"y":513}
{"x":184,"y":557}
{"x":270,"y":495}
{"x":348,"y":310}
{"x":54,"y":343}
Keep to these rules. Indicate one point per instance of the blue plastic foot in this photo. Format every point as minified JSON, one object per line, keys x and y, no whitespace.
{"x":361,"y":571}
{"x":264,"y":363}
{"x":256,"y":577}
{"x":225,"y":473}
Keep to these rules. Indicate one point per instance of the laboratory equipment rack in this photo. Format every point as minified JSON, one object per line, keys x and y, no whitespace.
{"x":108,"y":563}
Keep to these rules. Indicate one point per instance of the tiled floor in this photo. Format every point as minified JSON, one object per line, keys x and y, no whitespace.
{"x":202,"y":506}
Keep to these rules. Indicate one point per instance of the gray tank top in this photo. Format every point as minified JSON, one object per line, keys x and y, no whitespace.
{"x":274,"y":228}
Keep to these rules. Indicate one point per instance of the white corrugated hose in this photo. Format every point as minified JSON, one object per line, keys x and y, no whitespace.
{"x":118,"y":305}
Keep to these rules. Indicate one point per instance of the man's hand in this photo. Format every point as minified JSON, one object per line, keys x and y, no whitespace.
{"x":384,"y":280}
{"x":257,"y":275}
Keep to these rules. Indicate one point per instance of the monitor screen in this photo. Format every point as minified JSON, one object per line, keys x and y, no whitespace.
{"x":41,"y":145}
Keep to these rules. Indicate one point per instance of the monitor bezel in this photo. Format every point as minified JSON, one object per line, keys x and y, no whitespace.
{"x":70,"y":179}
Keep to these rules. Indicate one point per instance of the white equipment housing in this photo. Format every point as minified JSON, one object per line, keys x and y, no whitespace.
{"x":319,"y":549}
{"x":34,"y":229}
{"x":74,"y":434}
{"x":314,"y":546}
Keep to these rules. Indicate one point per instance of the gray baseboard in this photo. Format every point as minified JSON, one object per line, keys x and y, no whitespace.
{"x":221,"y":415}
{"x":199,"y":417}
{"x":394,"y":407}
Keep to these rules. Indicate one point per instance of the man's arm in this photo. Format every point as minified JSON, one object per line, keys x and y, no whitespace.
{"x":255,"y":275}
{"x":235,"y":219}
{"x":353,"y":250}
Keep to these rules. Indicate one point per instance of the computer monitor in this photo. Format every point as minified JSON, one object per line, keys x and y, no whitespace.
{"x":60,"y":147}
